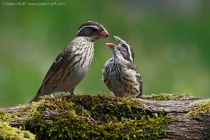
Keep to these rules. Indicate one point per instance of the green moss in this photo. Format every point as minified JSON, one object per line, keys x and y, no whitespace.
{"x":15,"y":116}
{"x":12,"y":133}
{"x":96,"y":117}
{"x":200,"y":108}
{"x":3,"y":115}
{"x":166,"y":96}
{"x":93,"y":117}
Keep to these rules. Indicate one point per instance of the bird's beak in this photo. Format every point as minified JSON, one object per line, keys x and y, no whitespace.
{"x":104,"y":34}
{"x":110,"y":45}
{"x":119,"y":40}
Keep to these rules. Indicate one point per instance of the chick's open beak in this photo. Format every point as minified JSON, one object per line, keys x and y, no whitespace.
{"x":110,"y":45}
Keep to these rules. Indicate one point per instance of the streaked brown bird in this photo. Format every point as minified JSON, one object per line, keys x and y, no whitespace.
{"x":120,"y":74}
{"x":73,"y":63}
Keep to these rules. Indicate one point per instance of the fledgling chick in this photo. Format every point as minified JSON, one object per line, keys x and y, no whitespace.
{"x":120,"y":74}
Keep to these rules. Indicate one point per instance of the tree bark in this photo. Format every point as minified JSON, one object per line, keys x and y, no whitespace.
{"x":183,"y":128}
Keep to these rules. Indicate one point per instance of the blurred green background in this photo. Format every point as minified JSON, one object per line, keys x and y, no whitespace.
{"x":170,"y":39}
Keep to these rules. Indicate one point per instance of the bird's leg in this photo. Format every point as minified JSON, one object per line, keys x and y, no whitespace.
{"x":72,"y":91}
{"x":53,"y":91}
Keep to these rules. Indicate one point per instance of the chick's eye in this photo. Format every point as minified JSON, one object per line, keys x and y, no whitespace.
{"x":124,"y":46}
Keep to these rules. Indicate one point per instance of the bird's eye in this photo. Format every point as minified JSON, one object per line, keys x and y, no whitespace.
{"x":124,"y":46}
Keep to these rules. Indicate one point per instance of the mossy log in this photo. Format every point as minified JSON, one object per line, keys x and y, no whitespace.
{"x":162,"y":116}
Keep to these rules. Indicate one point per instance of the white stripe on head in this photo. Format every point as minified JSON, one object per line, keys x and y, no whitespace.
{"x":91,"y":26}
{"x":129,"y":51}
{"x":101,"y":26}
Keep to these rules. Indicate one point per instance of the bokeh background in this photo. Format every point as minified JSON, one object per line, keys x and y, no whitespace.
{"x":171,"y":40}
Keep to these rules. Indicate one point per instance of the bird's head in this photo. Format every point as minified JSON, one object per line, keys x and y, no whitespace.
{"x":92,"y":31}
{"x":125,"y":49}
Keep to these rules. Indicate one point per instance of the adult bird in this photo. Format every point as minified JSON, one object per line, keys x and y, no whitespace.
{"x":120,"y":74}
{"x":73,"y":63}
